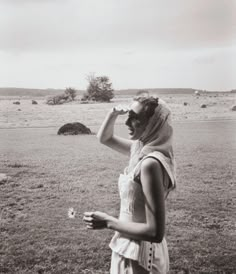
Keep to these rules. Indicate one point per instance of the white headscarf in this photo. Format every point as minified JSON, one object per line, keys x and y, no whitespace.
{"x":156,"y":141}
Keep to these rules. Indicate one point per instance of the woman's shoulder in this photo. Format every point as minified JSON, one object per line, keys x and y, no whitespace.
{"x":154,"y":167}
{"x":150,"y":163}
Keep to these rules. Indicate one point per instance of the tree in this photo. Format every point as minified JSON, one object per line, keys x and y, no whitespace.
{"x":70,"y":92}
{"x":99,"y":89}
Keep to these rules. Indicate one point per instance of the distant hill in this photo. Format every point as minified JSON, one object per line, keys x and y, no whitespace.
{"x":133,"y":92}
{"x":29,"y":92}
{"x":123,"y":92}
{"x":157,"y":91}
{"x":32,"y":92}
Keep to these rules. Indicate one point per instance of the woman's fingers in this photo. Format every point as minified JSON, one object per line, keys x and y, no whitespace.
{"x":94,"y":220}
{"x":96,"y":225}
{"x":121,"y":109}
{"x":88,"y":219}
{"x":95,"y":215}
{"x":88,"y":214}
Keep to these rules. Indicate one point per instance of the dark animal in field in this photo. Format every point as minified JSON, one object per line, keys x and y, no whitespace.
{"x":185,"y":103}
{"x":203,"y":106}
{"x":34,"y":102}
{"x":73,"y":129}
{"x":16,"y":103}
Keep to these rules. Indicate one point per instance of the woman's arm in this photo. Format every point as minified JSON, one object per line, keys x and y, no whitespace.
{"x":106,"y":133}
{"x":154,"y":227}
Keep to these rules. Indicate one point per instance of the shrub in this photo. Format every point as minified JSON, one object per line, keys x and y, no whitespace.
{"x":71,"y":92}
{"x":58,"y":99}
{"x":69,"y":95}
{"x":99,"y":89}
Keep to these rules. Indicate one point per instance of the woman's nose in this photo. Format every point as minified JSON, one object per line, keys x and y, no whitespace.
{"x":127,"y":122}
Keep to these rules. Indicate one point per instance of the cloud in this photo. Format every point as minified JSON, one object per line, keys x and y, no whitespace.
{"x":55,"y":25}
{"x":137,"y":43}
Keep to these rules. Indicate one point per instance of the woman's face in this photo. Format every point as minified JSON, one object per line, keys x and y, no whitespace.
{"x":137,"y":120}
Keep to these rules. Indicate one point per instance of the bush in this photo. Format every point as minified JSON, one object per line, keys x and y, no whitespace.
{"x":57,"y":100}
{"x":68,"y":96}
{"x":99,"y":89}
{"x":71,"y":92}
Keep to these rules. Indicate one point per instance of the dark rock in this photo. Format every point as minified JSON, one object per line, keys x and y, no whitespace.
{"x":34,"y":102}
{"x":203,"y":106}
{"x":73,"y":129}
{"x":185,"y":103}
{"x":16,"y":103}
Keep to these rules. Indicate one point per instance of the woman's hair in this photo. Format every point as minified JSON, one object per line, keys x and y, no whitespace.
{"x":149,"y":104}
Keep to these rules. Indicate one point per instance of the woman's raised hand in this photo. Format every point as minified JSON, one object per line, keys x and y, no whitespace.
{"x":120,"y":109}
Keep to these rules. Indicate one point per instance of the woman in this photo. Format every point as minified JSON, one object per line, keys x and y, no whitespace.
{"x":138,"y":245}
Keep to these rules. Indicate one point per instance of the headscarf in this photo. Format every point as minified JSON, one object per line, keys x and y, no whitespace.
{"x":156,"y":141}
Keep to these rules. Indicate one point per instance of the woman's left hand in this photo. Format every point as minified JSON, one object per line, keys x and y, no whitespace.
{"x":96,"y":220}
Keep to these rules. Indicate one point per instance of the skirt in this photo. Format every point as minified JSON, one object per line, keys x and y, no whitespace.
{"x":122,"y":265}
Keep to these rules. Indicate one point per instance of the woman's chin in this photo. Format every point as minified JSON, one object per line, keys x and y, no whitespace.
{"x":132,"y":137}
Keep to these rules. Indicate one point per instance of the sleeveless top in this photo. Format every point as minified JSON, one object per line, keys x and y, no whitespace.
{"x":132,"y":209}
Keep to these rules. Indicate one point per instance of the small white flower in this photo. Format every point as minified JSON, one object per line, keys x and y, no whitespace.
{"x":71,"y":213}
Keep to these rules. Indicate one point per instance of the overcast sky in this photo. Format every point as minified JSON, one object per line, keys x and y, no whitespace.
{"x":137,"y":43}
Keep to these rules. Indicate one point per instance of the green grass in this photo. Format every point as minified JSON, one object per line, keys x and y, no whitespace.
{"x":50,"y":173}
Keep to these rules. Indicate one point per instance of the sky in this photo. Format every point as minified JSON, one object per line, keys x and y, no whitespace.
{"x":136,"y":43}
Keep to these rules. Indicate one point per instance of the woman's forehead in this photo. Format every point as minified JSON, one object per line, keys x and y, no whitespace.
{"x":136,"y":107}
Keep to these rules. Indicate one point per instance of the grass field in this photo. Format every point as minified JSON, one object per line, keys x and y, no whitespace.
{"x":218,"y":106}
{"x":50,"y":173}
